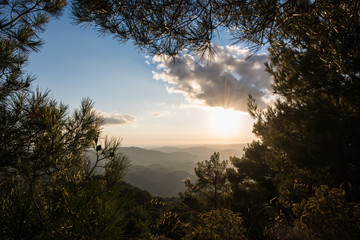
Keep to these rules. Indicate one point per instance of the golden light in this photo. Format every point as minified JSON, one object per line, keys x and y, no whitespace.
{"x":225,"y":122}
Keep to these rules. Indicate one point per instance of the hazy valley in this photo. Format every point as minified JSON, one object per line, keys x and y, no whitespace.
{"x":161,"y":170}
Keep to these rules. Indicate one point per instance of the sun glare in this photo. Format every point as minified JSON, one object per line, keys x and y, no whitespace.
{"x":224,"y":122}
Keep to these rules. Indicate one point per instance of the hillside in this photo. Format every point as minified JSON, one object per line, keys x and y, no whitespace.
{"x":207,"y":150}
{"x":161,"y":171}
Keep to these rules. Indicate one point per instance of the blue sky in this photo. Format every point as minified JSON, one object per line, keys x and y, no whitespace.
{"x":148,"y":101}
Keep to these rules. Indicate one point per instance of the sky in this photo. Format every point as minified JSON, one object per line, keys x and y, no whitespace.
{"x":149,"y":100}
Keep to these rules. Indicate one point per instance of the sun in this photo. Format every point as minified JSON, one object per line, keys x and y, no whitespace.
{"x":224,"y":122}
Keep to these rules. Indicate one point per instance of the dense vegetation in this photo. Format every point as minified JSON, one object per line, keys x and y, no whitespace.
{"x":299,"y":180}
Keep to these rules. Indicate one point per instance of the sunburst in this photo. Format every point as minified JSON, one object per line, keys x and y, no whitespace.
{"x":225,"y":122}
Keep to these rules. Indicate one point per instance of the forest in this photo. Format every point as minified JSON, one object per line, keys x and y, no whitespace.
{"x":300,"y":179}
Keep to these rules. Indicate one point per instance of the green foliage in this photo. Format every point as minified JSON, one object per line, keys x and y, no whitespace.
{"x":51,"y":186}
{"x":283,"y":229}
{"x":252,"y":176}
{"x":170,"y":225}
{"x":58,"y":177}
{"x":138,"y":209}
{"x":326,"y":215}
{"x":310,"y":131}
{"x":311,"y":134}
{"x":252,"y":188}
{"x":47,"y":184}
{"x":211,"y":191}
{"x":20,"y":25}
{"x":312,"y":127}
{"x":211,"y":186}
{"x":170,"y":26}
{"x":329,"y":214}
{"x":217,"y":225}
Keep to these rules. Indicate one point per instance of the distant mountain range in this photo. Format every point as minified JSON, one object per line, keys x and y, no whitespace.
{"x":161,"y":170}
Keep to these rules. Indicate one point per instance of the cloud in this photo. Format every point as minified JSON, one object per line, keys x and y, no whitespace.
{"x":161,"y":114}
{"x":226,"y":81}
{"x":118,"y":119}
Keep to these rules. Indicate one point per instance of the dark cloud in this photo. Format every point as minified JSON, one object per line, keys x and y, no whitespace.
{"x":224,"y":82}
{"x":117,"y":119}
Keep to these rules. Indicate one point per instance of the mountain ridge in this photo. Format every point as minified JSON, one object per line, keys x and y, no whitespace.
{"x":161,"y":170}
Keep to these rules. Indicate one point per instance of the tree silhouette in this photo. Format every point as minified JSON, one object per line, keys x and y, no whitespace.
{"x":20,"y":25}
{"x":48,"y":187}
{"x":211,"y":185}
{"x":47,"y":184}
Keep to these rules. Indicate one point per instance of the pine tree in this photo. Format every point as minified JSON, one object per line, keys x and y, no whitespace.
{"x":252,"y":188}
{"x":211,"y":186}
{"x":21,"y":22}
{"x":48,"y":185}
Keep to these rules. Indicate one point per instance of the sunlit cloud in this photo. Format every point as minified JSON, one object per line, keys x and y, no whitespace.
{"x":118,"y":119}
{"x":226,"y":81}
{"x":238,"y":50}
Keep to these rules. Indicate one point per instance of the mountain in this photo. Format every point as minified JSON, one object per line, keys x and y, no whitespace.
{"x":169,"y":160}
{"x":206,"y":151}
{"x":159,"y":182}
{"x":161,"y":171}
